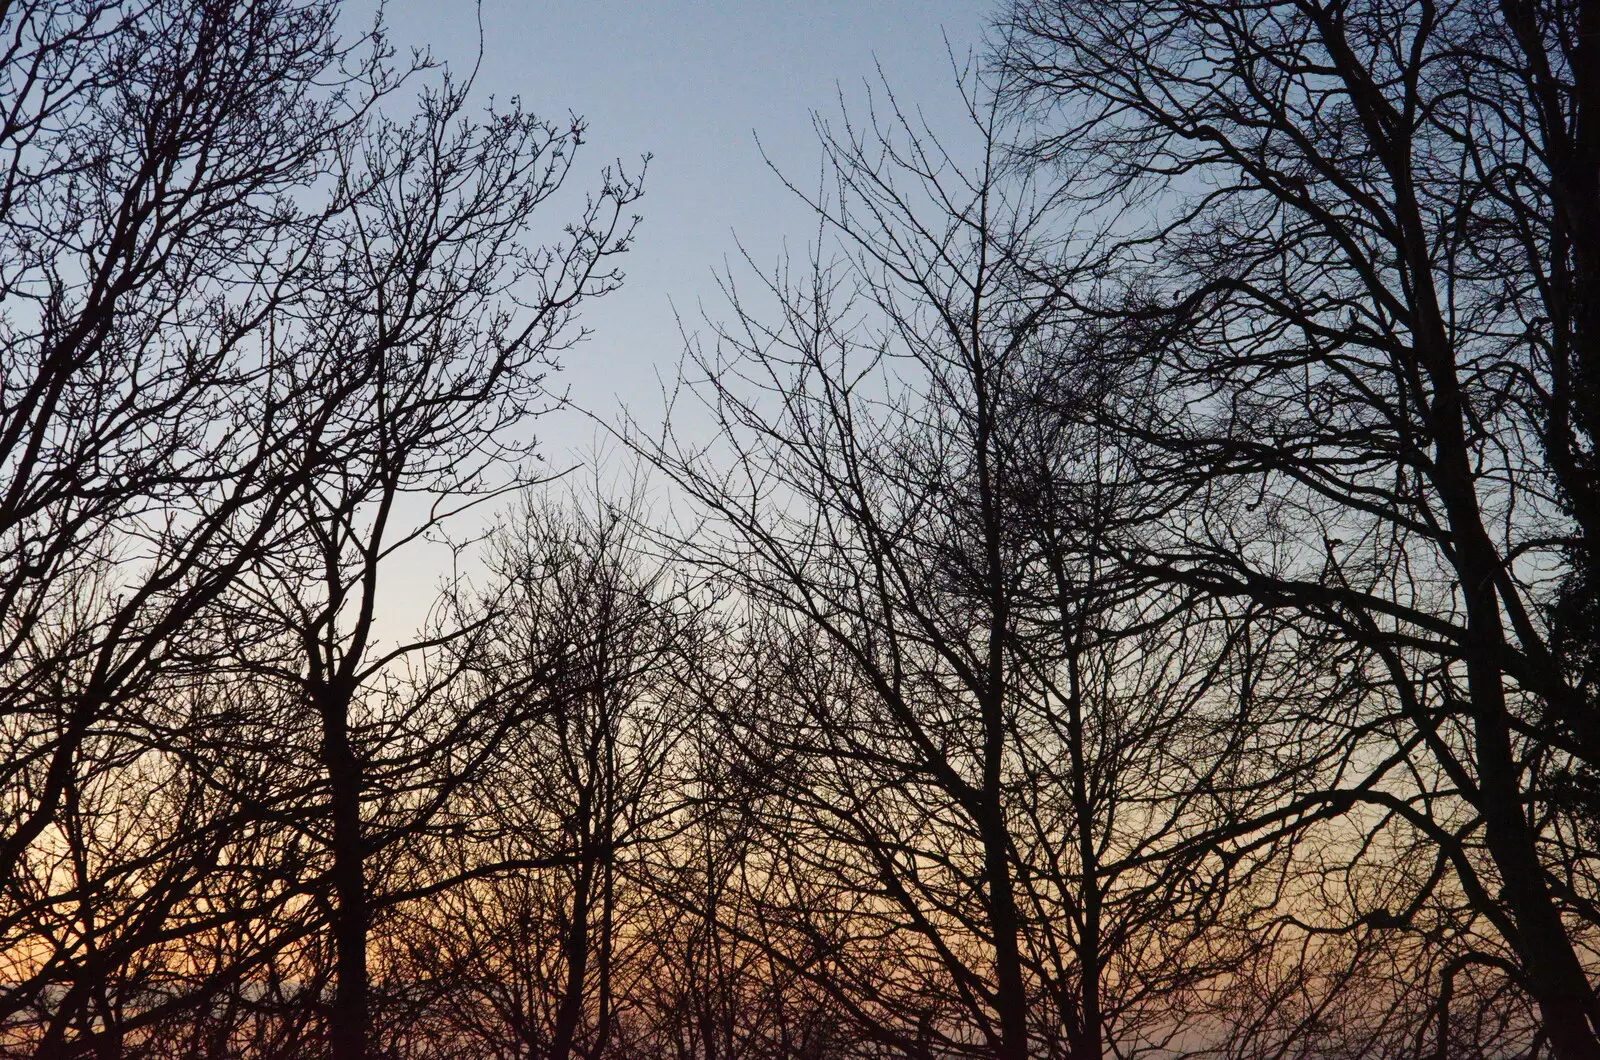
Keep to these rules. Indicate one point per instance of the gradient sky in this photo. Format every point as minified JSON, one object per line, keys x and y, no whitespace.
{"x":694,"y":84}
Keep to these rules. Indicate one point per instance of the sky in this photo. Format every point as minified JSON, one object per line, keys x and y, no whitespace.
{"x":712,"y":91}
{"x":705,"y":88}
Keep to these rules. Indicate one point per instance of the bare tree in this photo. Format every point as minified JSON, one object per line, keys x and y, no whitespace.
{"x":149,"y":234}
{"x":996,"y":770}
{"x":247,"y":316}
{"x":600,"y":637}
{"x":436,"y":319}
{"x":1351,"y":273}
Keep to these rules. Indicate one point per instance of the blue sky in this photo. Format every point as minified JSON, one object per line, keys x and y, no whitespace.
{"x":694,"y":84}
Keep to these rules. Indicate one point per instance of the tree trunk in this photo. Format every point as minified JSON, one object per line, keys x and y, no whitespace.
{"x":1011,"y":1001}
{"x":1085,"y":1037}
{"x":348,"y":1017}
{"x":577,"y":959}
{"x":1555,"y":976}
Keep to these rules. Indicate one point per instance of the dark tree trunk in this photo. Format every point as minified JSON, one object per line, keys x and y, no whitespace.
{"x":348,"y":1016}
